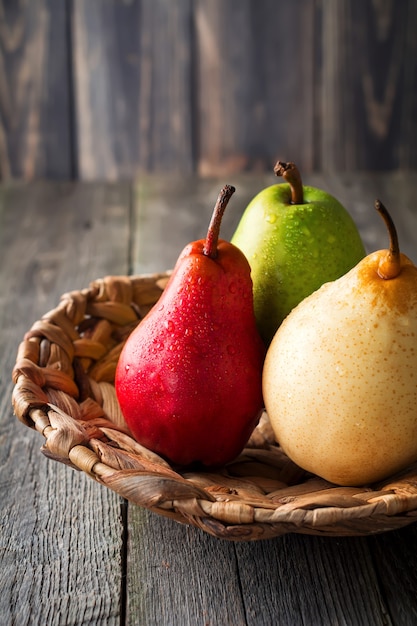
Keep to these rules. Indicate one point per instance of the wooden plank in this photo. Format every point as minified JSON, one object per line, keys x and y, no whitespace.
{"x":132,"y":73}
{"x":310,"y":580}
{"x":35,"y":91}
{"x":110,"y":89}
{"x":398,"y":574}
{"x":255,"y":72}
{"x":186,"y":577}
{"x":106,"y":90}
{"x":61,"y":539}
{"x":366,"y":102}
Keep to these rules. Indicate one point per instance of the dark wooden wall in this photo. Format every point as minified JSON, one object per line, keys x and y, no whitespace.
{"x":106,"y":89}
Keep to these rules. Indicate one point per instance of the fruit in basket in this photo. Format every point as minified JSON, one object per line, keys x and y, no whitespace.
{"x":189,"y":378}
{"x":295,"y":238}
{"x":340,"y":376}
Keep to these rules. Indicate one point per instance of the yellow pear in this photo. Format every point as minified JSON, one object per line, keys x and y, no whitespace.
{"x":340,"y":376}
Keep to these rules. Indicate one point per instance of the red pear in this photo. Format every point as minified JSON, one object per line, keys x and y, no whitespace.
{"x":189,"y":378}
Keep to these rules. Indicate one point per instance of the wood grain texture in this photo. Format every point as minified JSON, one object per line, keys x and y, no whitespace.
{"x":231,"y":85}
{"x":254,"y":84}
{"x":187,"y":577}
{"x":35,"y":86}
{"x":107,"y":90}
{"x":310,"y":580}
{"x":398,"y":577}
{"x":132,"y":81}
{"x":61,"y":533}
{"x":366,"y":103}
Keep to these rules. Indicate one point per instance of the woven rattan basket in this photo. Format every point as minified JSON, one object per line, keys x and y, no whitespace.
{"x":63,"y":380}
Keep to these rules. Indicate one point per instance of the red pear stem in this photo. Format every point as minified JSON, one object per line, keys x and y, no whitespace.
{"x":390,"y":264}
{"x":210,"y":245}
{"x":291,"y":174}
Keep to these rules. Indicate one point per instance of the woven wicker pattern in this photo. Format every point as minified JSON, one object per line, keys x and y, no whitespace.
{"x":63,"y":380}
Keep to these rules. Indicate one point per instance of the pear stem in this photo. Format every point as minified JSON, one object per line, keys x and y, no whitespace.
{"x":390,"y":264}
{"x":210,"y":244}
{"x":291,"y":175}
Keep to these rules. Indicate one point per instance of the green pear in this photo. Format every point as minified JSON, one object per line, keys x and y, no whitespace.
{"x":340,"y":376}
{"x":295,"y":238}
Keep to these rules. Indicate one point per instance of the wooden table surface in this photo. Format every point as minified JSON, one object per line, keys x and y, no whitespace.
{"x":73,"y":552}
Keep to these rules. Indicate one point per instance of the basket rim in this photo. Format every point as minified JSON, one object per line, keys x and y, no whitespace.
{"x":63,"y":389}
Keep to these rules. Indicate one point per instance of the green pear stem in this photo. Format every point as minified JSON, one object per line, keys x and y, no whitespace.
{"x":389,"y":265}
{"x":210,"y":244}
{"x":291,"y":174}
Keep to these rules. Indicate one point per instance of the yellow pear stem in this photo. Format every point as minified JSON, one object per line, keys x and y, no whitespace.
{"x":390,"y":264}
{"x":210,"y":244}
{"x":291,"y":174}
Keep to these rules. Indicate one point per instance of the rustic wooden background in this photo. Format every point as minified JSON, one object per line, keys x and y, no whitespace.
{"x":106,"y":89}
